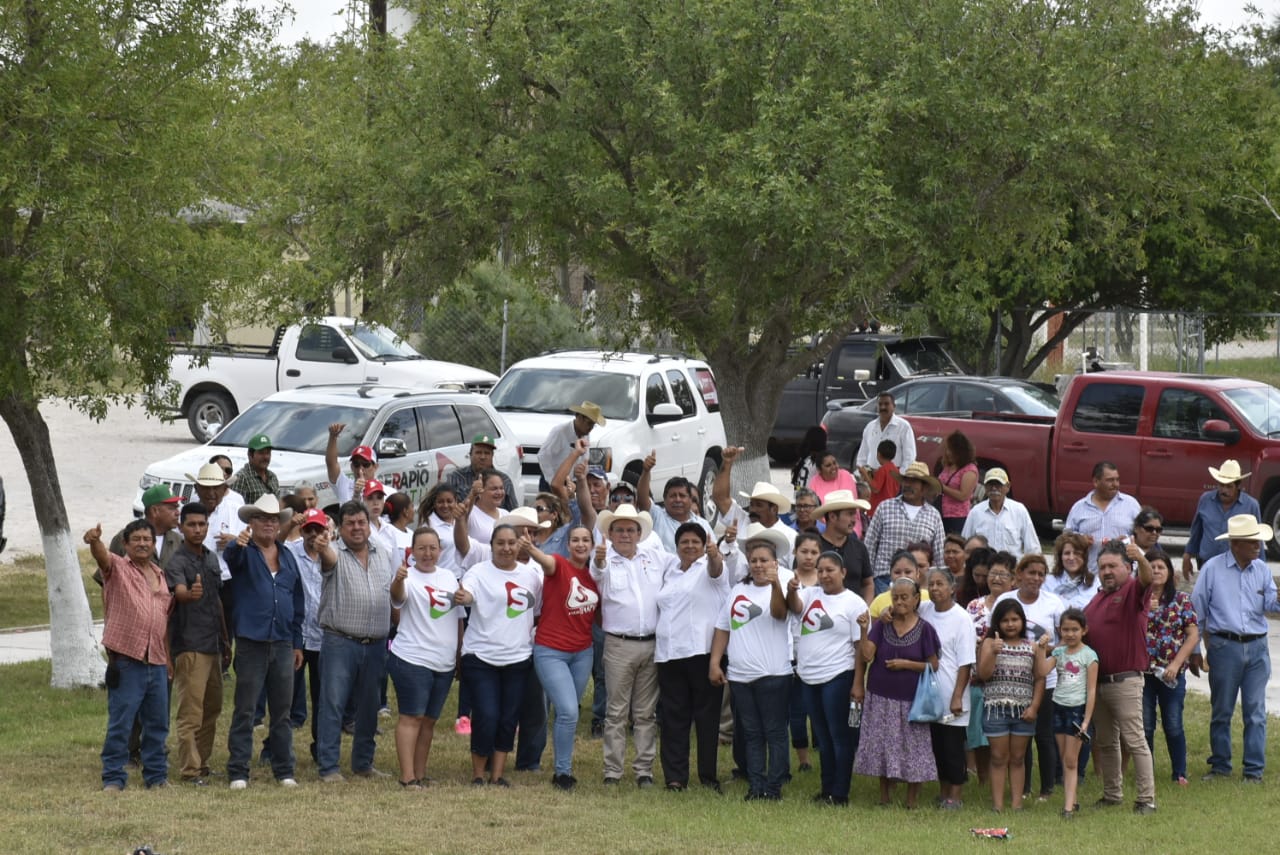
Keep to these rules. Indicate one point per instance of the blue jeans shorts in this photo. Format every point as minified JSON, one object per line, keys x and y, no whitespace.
{"x":1067,"y":720}
{"x":1004,"y":721}
{"x":419,"y":690}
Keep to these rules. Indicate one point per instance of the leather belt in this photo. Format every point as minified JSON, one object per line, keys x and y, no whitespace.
{"x":358,"y":639}
{"x":649,"y":637}
{"x":1118,"y":676}
{"x":1232,"y":636}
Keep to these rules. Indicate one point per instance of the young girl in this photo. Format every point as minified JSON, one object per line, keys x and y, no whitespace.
{"x":805,"y":552}
{"x":1077,"y":666}
{"x":1014,"y":686}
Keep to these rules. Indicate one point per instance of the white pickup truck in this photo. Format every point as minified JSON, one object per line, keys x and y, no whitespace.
{"x":214,"y":383}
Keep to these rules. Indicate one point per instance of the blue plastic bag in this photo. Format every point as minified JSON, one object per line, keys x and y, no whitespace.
{"x":927,"y":706}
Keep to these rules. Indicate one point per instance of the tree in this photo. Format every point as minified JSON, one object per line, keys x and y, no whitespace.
{"x":755,"y":170}
{"x":110,"y":141}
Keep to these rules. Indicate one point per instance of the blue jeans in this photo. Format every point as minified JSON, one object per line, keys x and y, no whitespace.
{"x":143,"y":693}
{"x":351,"y":671}
{"x":837,"y":742}
{"x":762,"y":712}
{"x":1170,"y":700}
{"x":882,"y":584}
{"x":259,"y":664}
{"x":564,"y":679}
{"x":599,"y":691}
{"x":496,"y":695}
{"x":1244,"y":668}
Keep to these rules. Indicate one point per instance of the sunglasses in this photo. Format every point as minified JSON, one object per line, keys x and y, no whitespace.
{"x":228,"y":471}
{"x":620,"y":497}
{"x":361,"y":464}
{"x":543,"y":509}
{"x":806,"y":507}
{"x":1153,"y":529}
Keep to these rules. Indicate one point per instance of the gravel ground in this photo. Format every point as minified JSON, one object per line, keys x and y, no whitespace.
{"x":99,"y":465}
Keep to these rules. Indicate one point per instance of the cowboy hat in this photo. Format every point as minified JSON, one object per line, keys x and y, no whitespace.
{"x":522,"y":518}
{"x":920,"y":472}
{"x":780,"y":542}
{"x":590,"y":410}
{"x":267,"y":505}
{"x":1229,"y":473}
{"x":210,"y":475}
{"x":766,"y":492}
{"x":627,"y":512}
{"x":1246,"y":527}
{"x":841,"y":500}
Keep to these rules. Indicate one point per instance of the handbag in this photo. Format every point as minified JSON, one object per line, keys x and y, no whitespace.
{"x":927,"y":705}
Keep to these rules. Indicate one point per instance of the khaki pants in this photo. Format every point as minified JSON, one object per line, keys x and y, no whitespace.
{"x":197,"y":681}
{"x":1117,"y":715}
{"x":632,"y":678}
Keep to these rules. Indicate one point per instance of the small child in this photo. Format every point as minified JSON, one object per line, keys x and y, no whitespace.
{"x":1013,"y":673}
{"x":883,"y":485}
{"x":1073,"y":700}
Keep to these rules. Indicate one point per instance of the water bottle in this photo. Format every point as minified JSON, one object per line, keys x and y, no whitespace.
{"x":855,"y":714}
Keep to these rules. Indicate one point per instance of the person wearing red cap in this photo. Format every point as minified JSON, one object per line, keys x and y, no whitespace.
{"x":364,"y":466}
{"x":375,"y":497}
{"x":307,"y":552}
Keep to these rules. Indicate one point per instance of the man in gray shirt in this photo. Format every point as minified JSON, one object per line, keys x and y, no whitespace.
{"x":355,"y":615}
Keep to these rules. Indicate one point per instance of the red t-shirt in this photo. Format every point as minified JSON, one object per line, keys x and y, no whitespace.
{"x":1118,"y":628}
{"x":883,"y":485}
{"x":569,"y":602}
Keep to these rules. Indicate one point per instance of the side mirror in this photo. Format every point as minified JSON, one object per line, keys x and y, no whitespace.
{"x":1219,"y":430}
{"x":662,"y":413}
{"x":342,"y":353}
{"x":390,"y":446}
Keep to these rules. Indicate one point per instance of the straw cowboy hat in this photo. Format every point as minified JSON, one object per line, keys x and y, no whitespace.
{"x":773,"y":537}
{"x":919,"y":472}
{"x":522,"y":518}
{"x":1229,"y":473}
{"x":766,"y":492}
{"x":590,"y":410}
{"x":1246,"y":527}
{"x":210,"y":475}
{"x":268,"y":505}
{"x":841,"y":500}
{"x":627,"y":513}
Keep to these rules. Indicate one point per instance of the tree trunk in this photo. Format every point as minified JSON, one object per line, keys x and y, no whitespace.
{"x":748,"y":404}
{"x":76,"y":660}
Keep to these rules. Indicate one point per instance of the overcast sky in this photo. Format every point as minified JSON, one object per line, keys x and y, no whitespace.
{"x":319,"y":19}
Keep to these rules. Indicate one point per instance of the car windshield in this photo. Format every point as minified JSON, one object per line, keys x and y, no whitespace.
{"x":1032,"y":400}
{"x":555,"y":390}
{"x":1257,"y":405}
{"x":375,"y":341}
{"x":295,"y":426}
{"x":922,"y":357}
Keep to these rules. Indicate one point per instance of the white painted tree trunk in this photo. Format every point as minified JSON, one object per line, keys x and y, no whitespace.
{"x":76,"y":660}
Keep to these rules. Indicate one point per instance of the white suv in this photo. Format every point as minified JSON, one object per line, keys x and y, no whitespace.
{"x":651,"y":402}
{"x":419,"y":436}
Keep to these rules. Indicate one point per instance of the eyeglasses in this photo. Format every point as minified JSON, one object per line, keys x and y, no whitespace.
{"x":1153,"y":529}
{"x":999,"y":575}
{"x":806,"y":507}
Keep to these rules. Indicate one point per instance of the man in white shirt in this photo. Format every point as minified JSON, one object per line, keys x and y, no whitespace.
{"x":629,"y":579}
{"x":560,"y":442}
{"x":887,"y":426}
{"x":1004,"y":522}
{"x":765,"y":503}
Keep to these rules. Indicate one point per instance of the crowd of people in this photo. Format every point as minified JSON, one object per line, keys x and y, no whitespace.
{"x":924,"y":638}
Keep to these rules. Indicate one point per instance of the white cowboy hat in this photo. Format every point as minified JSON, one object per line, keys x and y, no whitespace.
{"x":1246,"y":527}
{"x":1229,"y":473}
{"x":841,"y":500}
{"x":772,"y":536}
{"x":522,"y":517}
{"x":766,"y":492}
{"x":267,"y":504}
{"x":920,"y":472}
{"x":210,"y":475}
{"x":590,"y":410}
{"x":627,"y":512}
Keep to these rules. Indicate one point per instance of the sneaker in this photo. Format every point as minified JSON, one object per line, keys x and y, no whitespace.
{"x":1214,"y":775}
{"x":1068,"y":814}
{"x":676,"y":787}
{"x":1144,"y":808}
{"x":370,"y":773}
{"x":1105,"y":802}
{"x":239,"y":784}
{"x":113,"y":788}
{"x":1253,"y":779}
{"x":563,"y":782}
{"x":612,"y":782}
{"x":288,"y":782}
{"x":644,"y":782}
{"x":332,"y":778}
{"x":195,"y":782}
{"x":159,"y":785}
{"x":462,"y":726}
{"x":384,"y":712}
{"x":500,"y":782}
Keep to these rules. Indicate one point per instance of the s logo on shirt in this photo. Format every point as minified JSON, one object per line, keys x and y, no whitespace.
{"x":519,"y":600}
{"x":440,"y":601}
{"x":743,"y":611}
{"x":815,"y":619}
{"x":580,"y":599}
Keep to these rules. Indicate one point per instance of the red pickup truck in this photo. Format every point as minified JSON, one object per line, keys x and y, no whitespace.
{"x":1163,"y":432}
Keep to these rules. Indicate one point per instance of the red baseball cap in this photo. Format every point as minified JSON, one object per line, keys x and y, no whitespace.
{"x":364,"y":452}
{"x":315,"y":516}
{"x":373,"y":485}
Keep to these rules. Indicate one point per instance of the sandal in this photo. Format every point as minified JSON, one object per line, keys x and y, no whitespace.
{"x":414,"y":784}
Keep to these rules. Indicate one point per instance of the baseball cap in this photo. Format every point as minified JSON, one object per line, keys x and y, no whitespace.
{"x":597,"y":472}
{"x":159,"y":495}
{"x":364,"y":452}
{"x":373,"y":485}
{"x":315,"y":516}
{"x":995,"y":473}
{"x":619,"y":484}
{"x":260,"y":442}
{"x":483,"y":439}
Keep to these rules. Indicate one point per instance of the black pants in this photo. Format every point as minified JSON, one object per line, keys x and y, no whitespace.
{"x":686,"y":700}
{"x":1046,"y":746}
{"x":533,"y":725}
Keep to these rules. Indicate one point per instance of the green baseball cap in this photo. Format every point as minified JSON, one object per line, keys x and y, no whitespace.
{"x":484,"y":439}
{"x":260,"y":442}
{"x":158,"y":495}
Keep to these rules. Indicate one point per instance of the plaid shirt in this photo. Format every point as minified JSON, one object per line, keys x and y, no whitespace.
{"x":249,"y":484}
{"x":891,"y":529}
{"x":137,"y":603}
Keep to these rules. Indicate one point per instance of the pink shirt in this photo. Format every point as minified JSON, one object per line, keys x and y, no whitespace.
{"x":136,"y":602}
{"x":821,"y":486}
{"x":955,"y":508}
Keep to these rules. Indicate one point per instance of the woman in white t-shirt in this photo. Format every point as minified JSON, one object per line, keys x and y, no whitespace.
{"x":828,"y":618}
{"x":439,"y":510}
{"x":399,"y":513}
{"x":484,"y":504}
{"x":424,"y":653}
{"x":497,"y":649}
{"x":752,"y":628}
{"x":956,"y":658}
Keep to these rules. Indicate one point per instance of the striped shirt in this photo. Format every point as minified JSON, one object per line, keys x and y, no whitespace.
{"x":137,"y":603}
{"x":354,"y":600}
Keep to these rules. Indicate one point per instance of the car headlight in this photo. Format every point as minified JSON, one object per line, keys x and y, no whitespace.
{"x":148,"y":481}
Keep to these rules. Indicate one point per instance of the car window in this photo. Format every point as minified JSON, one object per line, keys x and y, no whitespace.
{"x":854,"y":356}
{"x":298,"y":427}
{"x":440,"y":425}
{"x":971,"y":396}
{"x":475,"y":421}
{"x":683,"y":395}
{"x":1108,"y":408}
{"x":1181,"y":414}
{"x":655,"y":392}
{"x":402,"y":425}
{"x":705,"y":383}
{"x":924,"y":398}
{"x":555,"y":390}
{"x":316,"y":343}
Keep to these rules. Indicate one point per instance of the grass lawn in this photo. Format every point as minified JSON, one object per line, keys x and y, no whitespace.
{"x":49,"y":788}
{"x":24,"y":591}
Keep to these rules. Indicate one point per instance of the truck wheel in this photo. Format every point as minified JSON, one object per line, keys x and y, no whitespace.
{"x":209,"y":412}
{"x":710,"y":469}
{"x":1271,"y":516}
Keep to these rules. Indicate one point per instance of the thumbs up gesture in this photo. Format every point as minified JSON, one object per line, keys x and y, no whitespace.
{"x":197,"y":587}
{"x":93,"y":534}
{"x":463,"y":597}
{"x":601,"y":550}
